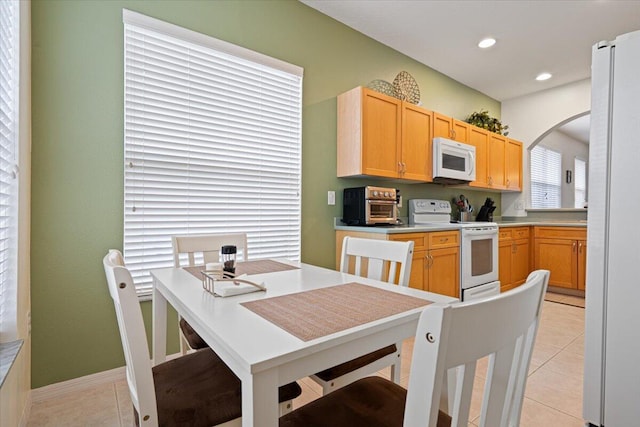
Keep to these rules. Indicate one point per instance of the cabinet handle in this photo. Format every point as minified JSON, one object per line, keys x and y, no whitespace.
{"x":580,"y":247}
{"x":573,"y":246}
{"x":404,"y":167}
{"x":490,"y":181}
{"x":508,"y":183}
{"x":399,"y":167}
{"x":453,"y":133}
{"x":429,"y":262}
{"x":443,"y":239}
{"x":514,"y":248}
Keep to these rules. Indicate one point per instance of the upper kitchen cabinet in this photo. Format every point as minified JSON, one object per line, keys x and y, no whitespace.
{"x":504,"y":163}
{"x":479,"y":138}
{"x":448,"y":127}
{"x":496,"y":161}
{"x":381,"y":136}
{"x":513,"y":165}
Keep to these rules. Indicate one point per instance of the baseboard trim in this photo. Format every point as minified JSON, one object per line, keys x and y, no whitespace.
{"x":77,"y":384}
{"x":52,"y":391}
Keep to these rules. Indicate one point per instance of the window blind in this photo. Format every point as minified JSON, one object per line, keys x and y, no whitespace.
{"x":9,"y":38}
{"x":546,"y":177}
{"x":212,"y":145}
{"x":580,"y":186}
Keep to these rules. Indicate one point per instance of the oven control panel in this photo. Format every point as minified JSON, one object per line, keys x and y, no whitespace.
{"x":429,"y":206}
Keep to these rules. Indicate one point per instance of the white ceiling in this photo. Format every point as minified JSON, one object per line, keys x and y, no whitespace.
{"x":533,"y":36}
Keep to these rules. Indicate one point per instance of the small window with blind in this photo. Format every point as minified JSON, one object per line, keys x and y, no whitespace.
{"x":546,"y":178}
{"x":212,"y":145}
{"x":580,"y":182}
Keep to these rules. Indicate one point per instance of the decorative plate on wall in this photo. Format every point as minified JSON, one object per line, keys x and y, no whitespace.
{"x":384,"y":87}
{"x":407,"y":88}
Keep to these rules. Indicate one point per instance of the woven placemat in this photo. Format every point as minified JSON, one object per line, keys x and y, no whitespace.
{"x":248,"y":267}
{"x":314,"y":314}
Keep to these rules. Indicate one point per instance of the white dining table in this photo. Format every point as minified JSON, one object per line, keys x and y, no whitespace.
{"x":261,"y":354}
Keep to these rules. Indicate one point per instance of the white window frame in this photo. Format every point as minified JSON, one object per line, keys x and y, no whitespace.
{"x":270,"y":211}
{"x":546,"y":177}
{"x":580,"y":182}
{"x":10,"y":143}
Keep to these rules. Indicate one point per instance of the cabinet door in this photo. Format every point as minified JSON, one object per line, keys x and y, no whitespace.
{"x":505,"y":249}
{"x":444,"y":271}
{"x":461,"y":131}
{"x":520,"y":257}
{"x":416,"y":153}
{"x":418,"y":275}
{"x":582,"y":264}
{"x":513,"y":165}
{"x":496,"y":163}
{"x":442,"y":126}
{"x":479,"y":138}
{"x":381,"y":133}
{"x":560,"y":257}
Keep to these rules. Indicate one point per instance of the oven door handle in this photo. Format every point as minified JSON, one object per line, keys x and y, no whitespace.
{"x":382,"y":202}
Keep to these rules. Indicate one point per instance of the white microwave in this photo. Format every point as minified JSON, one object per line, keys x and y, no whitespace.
{"x":453,"y":162}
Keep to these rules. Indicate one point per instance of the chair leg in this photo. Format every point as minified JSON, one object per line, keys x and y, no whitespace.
{"x":396,"y":369}
{"x":184,"y":344}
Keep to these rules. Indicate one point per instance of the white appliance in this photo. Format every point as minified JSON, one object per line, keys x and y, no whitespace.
{"x":612,"y":347}
{"x":453,"y":162}
{"x":478,"y":248}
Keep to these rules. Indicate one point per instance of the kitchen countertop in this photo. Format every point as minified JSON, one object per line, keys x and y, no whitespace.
{"x":398,"y":229}
{"x":542,"y":223}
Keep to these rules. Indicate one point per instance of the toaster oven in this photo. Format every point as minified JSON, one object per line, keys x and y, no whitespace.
{"x":369,"y":206}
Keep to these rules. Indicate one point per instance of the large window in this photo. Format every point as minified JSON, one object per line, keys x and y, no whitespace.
{"x":9,"y":59}
{"x":212,"y":145}
{"x":580,"y":183}
{"x":546,"y":178}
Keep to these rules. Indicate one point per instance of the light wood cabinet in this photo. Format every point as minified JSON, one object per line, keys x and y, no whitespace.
{"x":513,"y":165}
{"x":436,"y":261}
{"x":562,"y":251}
{"x":479,"y":138}
{"x":582,"y":265}
{"x":450,"y":128}
{"x":381,"y":136}
{"x":496,"y":161}
{"x":514,"y":256}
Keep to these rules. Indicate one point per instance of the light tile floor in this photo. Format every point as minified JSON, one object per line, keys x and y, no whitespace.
{"x":553,"y":396}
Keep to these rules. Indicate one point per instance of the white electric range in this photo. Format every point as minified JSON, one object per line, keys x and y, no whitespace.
{"x":478,"y":247}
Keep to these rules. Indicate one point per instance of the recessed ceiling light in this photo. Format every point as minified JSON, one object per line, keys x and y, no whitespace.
{"x":485,"y":43}
{"x":543,"y":76}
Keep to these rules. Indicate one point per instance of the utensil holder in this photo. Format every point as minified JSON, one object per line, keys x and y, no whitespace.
{"x":465,"y":217}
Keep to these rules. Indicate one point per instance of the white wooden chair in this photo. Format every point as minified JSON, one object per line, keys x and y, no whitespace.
{"x":197,"y":389}
{"x":384,"y":260}
{"x":450,"y":339}
{"x":208,"y":245}
{"x":204,"y":248}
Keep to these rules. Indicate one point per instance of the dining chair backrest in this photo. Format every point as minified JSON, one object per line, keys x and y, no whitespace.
{"x":132,"y":334}
{"x":372,"y":256}
{"x":208,"y":245}
{"x":452,"y":338}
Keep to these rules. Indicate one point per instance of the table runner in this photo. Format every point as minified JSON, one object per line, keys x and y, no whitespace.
{"x":314,"y":314}
{"x":248,"y":267}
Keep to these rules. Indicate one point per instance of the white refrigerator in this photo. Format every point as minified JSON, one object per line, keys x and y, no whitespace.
{"x":612,"y":327}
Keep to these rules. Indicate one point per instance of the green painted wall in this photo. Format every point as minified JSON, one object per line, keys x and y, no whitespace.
{"x":78,"y":148}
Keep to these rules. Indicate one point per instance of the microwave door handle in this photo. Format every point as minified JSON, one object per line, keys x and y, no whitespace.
{"x":473,"y":163}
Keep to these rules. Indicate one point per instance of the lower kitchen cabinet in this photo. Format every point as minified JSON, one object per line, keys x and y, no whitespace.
{"x":435,"y":266}
{"x":562,"y":251}
{"x":436,"y":261}
{"x":514,"y":256}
